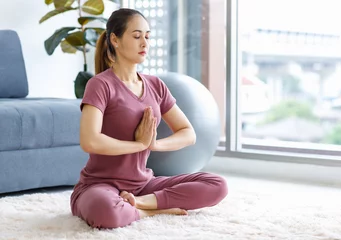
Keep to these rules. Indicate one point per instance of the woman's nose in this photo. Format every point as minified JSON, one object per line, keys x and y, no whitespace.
{"x":144,"y":42}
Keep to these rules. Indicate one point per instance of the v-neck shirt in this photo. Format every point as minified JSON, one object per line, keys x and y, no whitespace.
{"x":122,"y":112}
{"x":140,"y":98}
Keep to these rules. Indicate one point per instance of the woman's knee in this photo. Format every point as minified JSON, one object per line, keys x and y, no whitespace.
{"x":103,"y":214}
{"x":222,"y":187}
{"x":107,"y":212}
{"x":219,"y":185}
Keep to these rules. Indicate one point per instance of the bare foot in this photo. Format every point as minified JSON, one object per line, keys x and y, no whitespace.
{"x":171,"y":211}
{"x":128,"y":197}
{"x":146,"y":202}
{"x":148,"y":205}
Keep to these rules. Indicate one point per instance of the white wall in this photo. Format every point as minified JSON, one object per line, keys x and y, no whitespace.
{"x":48,"y":76}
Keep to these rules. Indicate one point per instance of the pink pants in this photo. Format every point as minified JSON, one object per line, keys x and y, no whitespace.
{"x":101,"y":206}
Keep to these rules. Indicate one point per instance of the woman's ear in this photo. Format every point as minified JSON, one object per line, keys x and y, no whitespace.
{"x":114,"y":40}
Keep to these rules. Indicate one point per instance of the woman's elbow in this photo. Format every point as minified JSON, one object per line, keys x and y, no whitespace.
{"x":87,"y":146}
{"x":193,"y":137}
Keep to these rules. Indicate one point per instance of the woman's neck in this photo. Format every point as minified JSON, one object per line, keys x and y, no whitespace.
{"x":125,"y":72}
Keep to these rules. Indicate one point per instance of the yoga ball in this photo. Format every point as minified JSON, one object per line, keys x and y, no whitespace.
{"x":201,"y":109}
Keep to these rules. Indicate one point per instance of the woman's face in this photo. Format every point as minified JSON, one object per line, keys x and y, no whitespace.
{"x":133,"y":46}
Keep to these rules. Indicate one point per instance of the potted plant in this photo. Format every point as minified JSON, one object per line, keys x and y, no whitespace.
{"x":78,"y":38}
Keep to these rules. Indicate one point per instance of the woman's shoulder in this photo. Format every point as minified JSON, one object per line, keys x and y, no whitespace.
{"x":102,"y":78}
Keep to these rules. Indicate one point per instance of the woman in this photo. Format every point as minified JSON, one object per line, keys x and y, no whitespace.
{"x":121,"y":110}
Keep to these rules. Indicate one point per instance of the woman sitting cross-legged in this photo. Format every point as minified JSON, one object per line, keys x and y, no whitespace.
{"x":121,"y":110}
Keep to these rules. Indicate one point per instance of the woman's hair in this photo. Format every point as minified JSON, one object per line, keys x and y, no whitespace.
{"x":117,"y":24}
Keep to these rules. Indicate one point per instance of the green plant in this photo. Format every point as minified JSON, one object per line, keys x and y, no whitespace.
{"x":289,"y":108}
{"x":291,"y":84}
{"x":334,"y":137}
{"x":76,"y":39}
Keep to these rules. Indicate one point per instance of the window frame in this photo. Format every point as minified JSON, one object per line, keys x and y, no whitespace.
{"x":233,"y":147}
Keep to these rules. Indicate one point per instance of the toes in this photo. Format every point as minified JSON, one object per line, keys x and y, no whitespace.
{"x":179,"y":211}
{"x":184,"y":212}
{"x":128,"y":197}
{"x":131,"y":198}
{"x":123,"y":193}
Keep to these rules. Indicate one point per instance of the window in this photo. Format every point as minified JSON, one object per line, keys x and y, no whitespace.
{"x":286,"y":72}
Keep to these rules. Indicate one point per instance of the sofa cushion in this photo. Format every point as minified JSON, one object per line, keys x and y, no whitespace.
{"x":13,"y":79}
{"x":43,"y":123}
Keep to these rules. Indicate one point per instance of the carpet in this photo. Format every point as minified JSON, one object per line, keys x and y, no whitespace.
{"x":254,"y":209}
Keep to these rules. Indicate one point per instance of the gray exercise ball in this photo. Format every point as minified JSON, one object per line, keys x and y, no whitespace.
{"x":201,"y":109}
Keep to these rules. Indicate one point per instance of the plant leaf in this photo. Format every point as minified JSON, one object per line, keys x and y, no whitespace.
{"x":67,"y":47}
{"x":85,"y":20}
{"x":56,"y":12}
{"x":76,"y":39}
{"x":91,"y":36}
{"x":52,"y":42}
{"x":80,"y":83}
{"x":95,"y":7}
{"x":62,"y":3}
{"x":48,"y":2}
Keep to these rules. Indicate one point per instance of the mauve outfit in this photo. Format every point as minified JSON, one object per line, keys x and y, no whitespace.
{"x":96,"y":198}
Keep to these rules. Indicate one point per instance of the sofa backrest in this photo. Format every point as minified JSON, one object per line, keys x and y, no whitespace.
{"x":13,"y":79}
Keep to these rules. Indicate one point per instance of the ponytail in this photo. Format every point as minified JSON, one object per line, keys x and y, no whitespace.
{"x":104,"y":55}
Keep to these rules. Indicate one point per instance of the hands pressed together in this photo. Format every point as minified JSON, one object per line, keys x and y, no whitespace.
{"x":146,"y":131}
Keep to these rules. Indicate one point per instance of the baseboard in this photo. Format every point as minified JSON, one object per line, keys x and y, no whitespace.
{"x":293,"y":172}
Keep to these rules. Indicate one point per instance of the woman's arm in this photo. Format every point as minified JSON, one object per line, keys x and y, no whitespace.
{"x":183,"y":132}
{"x":93,"y":141}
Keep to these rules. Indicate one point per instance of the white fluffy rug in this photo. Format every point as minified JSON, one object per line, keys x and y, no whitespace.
{"x":254,"y":209}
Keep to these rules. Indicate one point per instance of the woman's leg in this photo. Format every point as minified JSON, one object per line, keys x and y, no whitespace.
{"x":102,"y":207}
{"x":186,"y":191}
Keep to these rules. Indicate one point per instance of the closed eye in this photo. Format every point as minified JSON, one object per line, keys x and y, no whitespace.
{"x":139,"y":37}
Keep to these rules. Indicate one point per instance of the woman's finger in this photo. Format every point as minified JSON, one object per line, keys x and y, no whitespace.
{"x":152,"y":123}
{"x":148,"y":113}
{"x":155,"y":120}
{"x":143,"y":117}
{"x":153,"y":126}
{"x":148,"y":117}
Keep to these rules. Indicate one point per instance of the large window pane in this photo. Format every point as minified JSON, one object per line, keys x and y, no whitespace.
{"x":290,"y":73}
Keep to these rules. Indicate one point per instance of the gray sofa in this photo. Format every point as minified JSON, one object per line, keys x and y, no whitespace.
{"x":39,"y":137}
